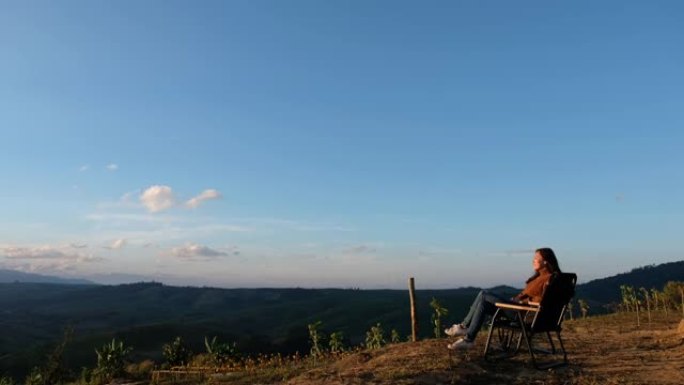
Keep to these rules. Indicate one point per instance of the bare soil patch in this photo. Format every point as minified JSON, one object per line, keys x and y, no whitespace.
{"x":602,"y":350}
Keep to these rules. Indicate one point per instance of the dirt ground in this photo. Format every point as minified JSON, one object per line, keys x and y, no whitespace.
{"x":613,"y":349}
{"x":602,"y":350}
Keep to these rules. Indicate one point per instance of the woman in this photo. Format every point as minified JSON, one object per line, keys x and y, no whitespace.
{"x":544,"y":263}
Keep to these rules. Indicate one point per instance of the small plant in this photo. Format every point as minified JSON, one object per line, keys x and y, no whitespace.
{"x":655,"y":297}
{"x":375,"y":338}
{"x":111,"y":360}
{"x":176,"y":353}
{"x":570,"y":310}
{"x":626,"y":293}
{"x":34,"y":377}
{"x":6,"y":381}
{"x":53,"y":371}
{"x":395,"y":338}
{"x":645,"y":295}
{"x":336,"y":342}
{"x":439,"y":311}
{"x":631,"y":301}
{"x":584,"y":307}
{"x":220,"y":352}
{"x":316,"y":339}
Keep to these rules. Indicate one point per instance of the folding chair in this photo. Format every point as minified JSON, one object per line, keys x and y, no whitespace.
{"x":511,"y":320}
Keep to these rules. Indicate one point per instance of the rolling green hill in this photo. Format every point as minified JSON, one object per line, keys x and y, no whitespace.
{"x":147,"y":315}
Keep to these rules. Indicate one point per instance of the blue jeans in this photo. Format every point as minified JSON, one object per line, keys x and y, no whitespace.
{"x":482,"y":306}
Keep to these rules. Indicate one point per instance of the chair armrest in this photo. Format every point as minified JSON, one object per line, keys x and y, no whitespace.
{"x":534,"y":303}
{"x":504,"y":305}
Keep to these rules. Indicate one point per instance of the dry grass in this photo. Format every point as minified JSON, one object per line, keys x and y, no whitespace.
{"x":602,"y":350}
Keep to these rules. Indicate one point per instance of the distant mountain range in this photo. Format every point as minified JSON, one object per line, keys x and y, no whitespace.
{"x":602,"y":290}
{"x":9,"y":276}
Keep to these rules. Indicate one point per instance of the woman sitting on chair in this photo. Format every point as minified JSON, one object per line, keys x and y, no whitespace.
{"x":544,"y":263}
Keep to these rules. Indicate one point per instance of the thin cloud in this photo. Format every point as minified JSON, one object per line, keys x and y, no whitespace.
{"x":129,"y":219}
{"x":294,"y":225}
{"x":196,"y":251}
{"x":360,"y":249}
{"x":158,"y":198}
{"x":512,"y":253}
{"x":128,"y":197}
{"x":112,"y":167}
{"x":117,"y":244}
{"x":84,"y":168}
{"x":206,"y":195}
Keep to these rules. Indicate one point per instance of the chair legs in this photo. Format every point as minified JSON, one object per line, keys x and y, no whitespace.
{"x":507,"y":333}
{"x":553,"y":347}
{"x":553,"y":352}
{"x":505,"y":336}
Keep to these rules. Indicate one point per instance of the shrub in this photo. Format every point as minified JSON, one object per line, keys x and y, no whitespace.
{"x":439,"y":311}
{"x":221,"y":352}
{"x":394,"y":336}
{"x":375,"y":338}
{"x":584,"y":307}
{"x":336,"y":342}
{"x":111,"y":360}
{"x":316,"y":339}
{"x":176,"y":353}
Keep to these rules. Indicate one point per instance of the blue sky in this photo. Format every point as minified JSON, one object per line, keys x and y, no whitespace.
{"x":346,"y":144}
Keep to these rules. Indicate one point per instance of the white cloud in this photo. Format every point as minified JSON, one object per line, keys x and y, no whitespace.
{"x":40,"y":252}
{"x":206,"y":195}
{"x":45,"y":258}
{"x":112,"y":167}
{"x":195,"y":251}
{"x":157,"y":198}
{"x":117,"y":244}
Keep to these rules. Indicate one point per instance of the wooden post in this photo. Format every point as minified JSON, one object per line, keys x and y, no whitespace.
{"x":414,"y":318}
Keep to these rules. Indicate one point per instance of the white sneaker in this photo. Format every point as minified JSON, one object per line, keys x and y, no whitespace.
{"x":456,"y":330}
{"x":461,"y":344}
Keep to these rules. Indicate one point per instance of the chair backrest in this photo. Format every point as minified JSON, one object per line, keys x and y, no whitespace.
{"x":557,"y":294}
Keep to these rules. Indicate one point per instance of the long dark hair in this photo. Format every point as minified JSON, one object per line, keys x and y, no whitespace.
{"x":551,"y":262}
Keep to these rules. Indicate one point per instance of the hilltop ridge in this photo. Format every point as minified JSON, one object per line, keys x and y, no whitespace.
{"x":605,"y":290}
{"x":9,"y":276}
